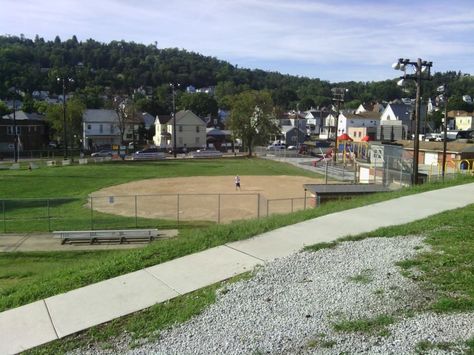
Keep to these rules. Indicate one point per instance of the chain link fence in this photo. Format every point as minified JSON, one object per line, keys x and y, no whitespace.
{"x":140,"y":211}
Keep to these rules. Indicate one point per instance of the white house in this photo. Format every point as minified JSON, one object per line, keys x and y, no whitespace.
{"x":190,"y":131}
{"x":350,"y":120}
{"x":315,"y":120}
{"x":100,"y":127}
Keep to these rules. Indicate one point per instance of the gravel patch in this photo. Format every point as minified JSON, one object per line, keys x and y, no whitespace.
{"x":292,"y":304}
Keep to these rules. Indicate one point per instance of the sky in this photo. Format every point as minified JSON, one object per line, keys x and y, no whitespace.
{"x":339,"y":40}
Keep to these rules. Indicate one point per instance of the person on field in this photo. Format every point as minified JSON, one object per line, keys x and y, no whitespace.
{"x":237,"y":182}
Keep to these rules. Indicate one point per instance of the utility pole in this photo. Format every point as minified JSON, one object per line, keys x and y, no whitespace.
{"x":16,"y":153}
{"x":338,"y":97}
{"x":444,"y":93}
{"x":63,"y":80}
{"x":174,"y":120}
{"x":420,"y":67}
{"x":416,"y":143}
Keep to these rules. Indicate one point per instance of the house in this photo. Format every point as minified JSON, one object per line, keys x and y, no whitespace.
{"x":315,"y":120}
{"x":190,"y":131}
{"x":401,"y":115}
{"x":101,"y":128}
{"x":162,"y":137}
{"x":218,"y":137}
{"x":31,"y":128}
{"x":328,"y":127}
{"x":298,"y":119}
{"x":292,"y":135}
{"x":348,"y":122}
{"x":370,"y":107}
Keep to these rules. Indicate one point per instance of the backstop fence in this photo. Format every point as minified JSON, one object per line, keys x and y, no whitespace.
{"x":140,"y":211}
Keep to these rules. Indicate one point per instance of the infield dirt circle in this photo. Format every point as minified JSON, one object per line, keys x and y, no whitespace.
{"x":210,"y":198}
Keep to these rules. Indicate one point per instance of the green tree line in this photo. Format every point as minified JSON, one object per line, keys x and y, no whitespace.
{"x":103,"y":70}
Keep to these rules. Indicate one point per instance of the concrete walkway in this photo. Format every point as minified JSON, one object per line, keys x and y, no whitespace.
{"x":58,"y":316}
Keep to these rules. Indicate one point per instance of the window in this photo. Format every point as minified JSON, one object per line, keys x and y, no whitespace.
{"x":101,"y":129}
{"x":10,"y":130}
{"x":197,"y":129}
{"x":111,"y":128}
{"x":180,"y":128}
{"x":89,"y":126}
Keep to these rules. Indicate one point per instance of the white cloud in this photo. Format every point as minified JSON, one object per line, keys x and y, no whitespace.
{"x":343,"y":33}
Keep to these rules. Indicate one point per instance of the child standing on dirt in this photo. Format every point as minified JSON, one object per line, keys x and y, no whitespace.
{"x":237,"y":182}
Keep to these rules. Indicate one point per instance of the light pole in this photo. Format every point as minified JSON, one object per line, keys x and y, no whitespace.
{"x":297,"y":123}
{"x":420,"y":67}
{"x":15,"y":134}
{"x":63,"y":80}
{"x":338,"y":97}
{"x":174,"y":118}
{"x":443,"y":90}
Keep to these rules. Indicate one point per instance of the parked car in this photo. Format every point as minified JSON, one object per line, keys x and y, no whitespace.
{"x":103,"y":153}
{"x":148,"y":154}
{"x":276,"y":146}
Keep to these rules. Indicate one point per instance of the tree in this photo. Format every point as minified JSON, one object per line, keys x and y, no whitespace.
{"x":121,"y":108}
{"x":126,"y":114}
{"x":28,"y":105}
{"x":200,"y":103}
{"x":436,"y":117}
{"x":456,"y":103}
{"x":3,"y":109}
{"x":55,"y":117}
{"x":252,"y":119}
{"x":306,"y":103}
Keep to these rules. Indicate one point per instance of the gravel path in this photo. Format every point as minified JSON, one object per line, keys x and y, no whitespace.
{"x":291,"y":305}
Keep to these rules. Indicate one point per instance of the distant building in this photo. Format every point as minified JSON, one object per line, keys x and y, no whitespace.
{"x":315,"y":120}
{"x":190,"y":131}
{"x":402,"y":116}
{"x":31,"y":129}
{"x":101,"y":129}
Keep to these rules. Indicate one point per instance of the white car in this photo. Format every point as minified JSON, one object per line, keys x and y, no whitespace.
{"x":276,"y":146}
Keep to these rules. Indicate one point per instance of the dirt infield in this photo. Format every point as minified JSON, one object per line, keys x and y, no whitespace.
{"x":212,"y":198}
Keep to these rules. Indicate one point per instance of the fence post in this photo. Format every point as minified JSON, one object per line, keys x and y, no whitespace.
{"x":401,"y":174}
{"x":291,"y":205}
{"x":49,"y":216}
{"x":136,"y":212}
{"x":375,"y":169}
{"x":218,"y":208}
{"x":258,"y":206}
{"x":326,"y":174}
{"x":304,"y":204}
{"x":92,"y":213}
{"x":177,"y":208}
{"x":4,"y":219}
{"x":267,"y":206}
